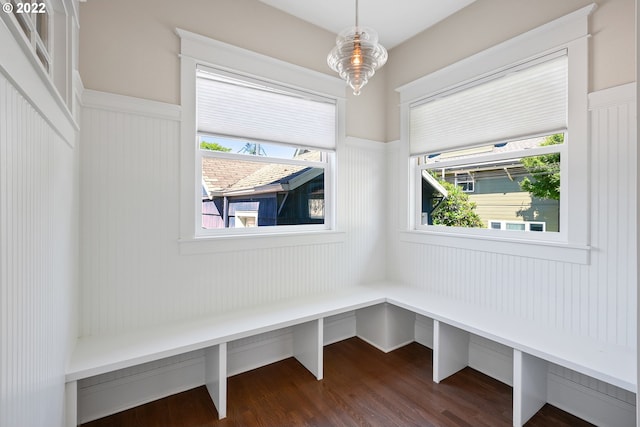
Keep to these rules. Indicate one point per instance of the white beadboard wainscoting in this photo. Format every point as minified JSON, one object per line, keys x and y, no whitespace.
{"x":38,"y":259}
{"x":597,"y":299}
{"x":133,"y":274}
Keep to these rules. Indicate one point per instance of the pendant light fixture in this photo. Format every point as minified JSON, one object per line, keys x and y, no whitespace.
{"x":357,"y":55}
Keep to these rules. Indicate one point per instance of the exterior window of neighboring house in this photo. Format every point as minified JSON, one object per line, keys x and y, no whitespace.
{"x":465,"y":181}
{"x":519,"y":226}
{"x":492,"y":153}
{"x":265,"y":152}
{"x":35,"y":21}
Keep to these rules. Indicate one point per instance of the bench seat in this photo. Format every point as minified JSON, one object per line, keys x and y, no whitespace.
{"x":95,"y":355}
{"x":610,"y":363}
{"x":534,"y":346}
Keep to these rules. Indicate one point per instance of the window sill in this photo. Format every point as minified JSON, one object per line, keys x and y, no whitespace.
{"x":229,"y":243}
{"x":553,"y":251}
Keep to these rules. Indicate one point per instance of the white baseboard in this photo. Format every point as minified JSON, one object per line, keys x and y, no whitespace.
{"x":399,"y":345}
{"x":107,"y":398}
{"x":382,"y":348}
{"x":492,"y":359}
{"x":339,"y":327}
{"x":254,"y":352}
{"x":589,"y":404}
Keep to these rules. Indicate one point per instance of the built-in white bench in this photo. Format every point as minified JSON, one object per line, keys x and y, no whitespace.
{"x":385,"y":316}
{"x":533,"y":347}
{"x":95,"y":355}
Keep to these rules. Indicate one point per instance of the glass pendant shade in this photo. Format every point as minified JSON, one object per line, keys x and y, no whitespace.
{"x":357,"y":55}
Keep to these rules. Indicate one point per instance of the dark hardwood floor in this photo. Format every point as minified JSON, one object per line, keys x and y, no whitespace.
{"x":362,"y":387}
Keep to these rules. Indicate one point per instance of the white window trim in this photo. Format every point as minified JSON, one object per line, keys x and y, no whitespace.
{"x":568,"y":32}
{"x":199,"y":50}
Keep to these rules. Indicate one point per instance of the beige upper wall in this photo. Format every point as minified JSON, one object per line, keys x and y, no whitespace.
{"x":486,"y":23}
{"x":131,"y":48}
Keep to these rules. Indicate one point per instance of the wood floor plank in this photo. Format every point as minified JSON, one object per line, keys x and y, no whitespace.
{"x":361,"y":387}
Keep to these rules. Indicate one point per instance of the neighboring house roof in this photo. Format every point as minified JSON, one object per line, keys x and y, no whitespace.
{"x":234,"y":177}
{"x":220,"y":174}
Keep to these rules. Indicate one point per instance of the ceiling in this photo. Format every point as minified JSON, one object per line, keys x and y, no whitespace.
{"x":395,"y":21}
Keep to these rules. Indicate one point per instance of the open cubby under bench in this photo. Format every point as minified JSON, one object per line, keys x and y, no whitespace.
{"x":385,"y":317}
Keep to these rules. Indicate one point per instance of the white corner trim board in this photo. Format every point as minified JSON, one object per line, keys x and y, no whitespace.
{"x":393,"y":307}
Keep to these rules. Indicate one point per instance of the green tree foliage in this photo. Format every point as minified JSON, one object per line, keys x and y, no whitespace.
{"x":213,"y":146}
{"x":545,"y":171}
{"x":456,"y":210}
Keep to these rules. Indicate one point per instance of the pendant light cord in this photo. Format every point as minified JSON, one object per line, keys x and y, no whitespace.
{"x":356,"y":13}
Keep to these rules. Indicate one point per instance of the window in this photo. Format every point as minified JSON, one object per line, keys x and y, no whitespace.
{"x":258,"y":149}
{"x":264,"y":151}
{"x":528,"y":88}
{"x":46,"y":32}
{"x":489,"y":176}
{"x":465,"y":181}
{"x":35,"y":22}
{"x":507,"y":186}
{"x":519,"y":226}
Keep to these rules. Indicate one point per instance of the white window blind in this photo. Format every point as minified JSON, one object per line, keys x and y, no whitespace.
{"x":242,"y":109}
{"x":528,"y":101}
